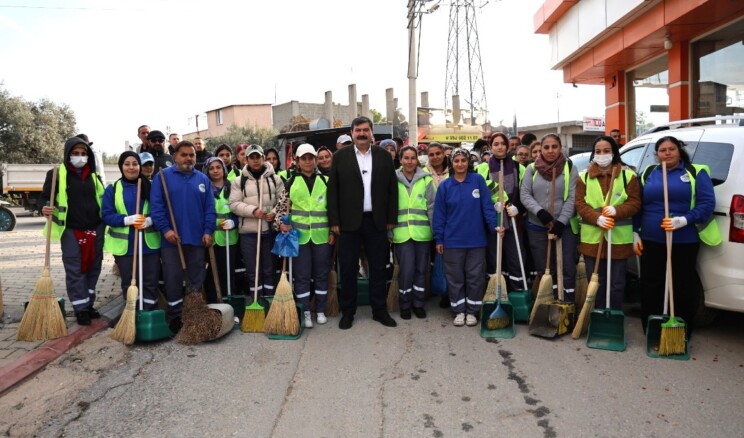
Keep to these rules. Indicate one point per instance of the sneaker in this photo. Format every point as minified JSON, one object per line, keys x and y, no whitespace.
{"x":83,"y":318}
{"x":322,"y":318}
{"x":459,"y":320}
{"x":419,"y":312}
{"x":308,"y":319}
{"x":471,"y":320}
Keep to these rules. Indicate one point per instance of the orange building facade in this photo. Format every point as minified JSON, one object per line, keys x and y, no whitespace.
{"x":663,"y":59}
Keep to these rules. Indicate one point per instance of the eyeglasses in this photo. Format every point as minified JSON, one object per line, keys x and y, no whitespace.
{"x":157,"y":140}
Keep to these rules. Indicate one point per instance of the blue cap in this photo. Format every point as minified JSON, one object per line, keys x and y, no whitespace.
{"x":146,"y":157}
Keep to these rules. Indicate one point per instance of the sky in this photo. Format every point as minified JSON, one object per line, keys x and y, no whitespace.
{"x":122,"y":63}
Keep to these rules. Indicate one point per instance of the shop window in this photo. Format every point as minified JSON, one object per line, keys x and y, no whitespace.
{"x":648,"y":97}
{"x":717,"y":65}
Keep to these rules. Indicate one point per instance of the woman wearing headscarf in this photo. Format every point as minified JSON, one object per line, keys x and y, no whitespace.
{"x":438,"y":163}
{"x":325,"y":159}
{"x":225,"y":153}
{"x":120,"y":214}
{"x":225,"y":230}
{"x":691,"y":204}
{"x":77,"y":224}
{"x":625,"y":201}
{"x":544,"y":226}
{"x":463,"y":217}
{"x":513,"y":172}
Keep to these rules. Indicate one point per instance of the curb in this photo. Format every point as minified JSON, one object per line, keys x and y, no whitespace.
{"x":37,"y":359}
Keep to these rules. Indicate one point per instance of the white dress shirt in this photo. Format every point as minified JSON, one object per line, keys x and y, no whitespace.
{"x":364,"y":159}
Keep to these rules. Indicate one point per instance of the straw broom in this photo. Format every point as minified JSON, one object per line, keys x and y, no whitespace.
{"x":254,"y":316}
{"x":126,"y":330}
{"x":200,"y":323}
{"x":499,"y":318}
{"x":332,"y":305}
{"x":582,"y":323}
{"x":392,"y":296}
{"x":545,"y":290}
{"x":283,"y":318}
{"x":673,"y":331}
{"x":497,"y":281}
{"x":43,"y":319}
{"x":581,"y":282}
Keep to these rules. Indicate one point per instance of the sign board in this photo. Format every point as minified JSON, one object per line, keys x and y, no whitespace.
{"x":452,"y":137}
{"x":594,"y":124}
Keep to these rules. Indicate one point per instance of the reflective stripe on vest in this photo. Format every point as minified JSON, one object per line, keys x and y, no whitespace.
{"x":622,"y":233}
{"x":413,"y":221}
{"x":117,"y":238}
{"x":310,"y":211}
{"x":59,"y":217}
{"x":222,"y":208}
{"x":708,"y":232}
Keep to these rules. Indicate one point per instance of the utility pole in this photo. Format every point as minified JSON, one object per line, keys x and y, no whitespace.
{"x":415,"y":11}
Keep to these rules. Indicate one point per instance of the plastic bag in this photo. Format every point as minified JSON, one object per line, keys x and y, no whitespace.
{"x":287,"y":244}
{"x":438,"y":282}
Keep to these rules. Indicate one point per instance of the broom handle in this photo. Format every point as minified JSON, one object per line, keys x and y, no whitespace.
{"x":215,"y":274}
{"x":559,"y":266}
{"x":49,"y":219}
{"x":227,"y":257}
{"x":602,"y":230}
{"x":141,"y":294}
{"x":668,"y":240}
{"x":173,"y":220}
{"x":519,"y":252}
{"x":258,"y":240}
{"x":499,"y":240}
{"x":609,"y":243}
{"x":136,"y":233}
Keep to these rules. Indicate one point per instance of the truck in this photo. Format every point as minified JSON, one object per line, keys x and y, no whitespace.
{"x":23,"y":184}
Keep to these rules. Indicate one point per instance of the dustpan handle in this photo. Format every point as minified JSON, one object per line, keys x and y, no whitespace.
{"x":609,"y":268}
{"x":519,"y":252}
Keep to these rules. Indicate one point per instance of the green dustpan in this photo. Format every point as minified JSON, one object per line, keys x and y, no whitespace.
{"x":522,"y":302}
{"x":653,"y":337}
{"x":151,"y":326}
{"x":300,"y":310}
{"x":606,"y":330}
{"x":507,"y":332}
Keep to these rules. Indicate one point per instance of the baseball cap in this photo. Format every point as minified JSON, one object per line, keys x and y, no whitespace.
{"x":343,"y":139}
{"x":146,"y":157}
{"x":254,"y":149}
{"x":306,"y":148}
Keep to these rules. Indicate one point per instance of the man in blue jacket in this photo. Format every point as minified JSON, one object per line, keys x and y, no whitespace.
{"x":193,"y":209}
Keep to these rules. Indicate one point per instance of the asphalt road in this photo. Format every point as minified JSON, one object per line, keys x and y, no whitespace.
{"x":424,"y":378}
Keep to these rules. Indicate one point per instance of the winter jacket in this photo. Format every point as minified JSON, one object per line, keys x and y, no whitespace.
{"x":244,"y":202}
{"x":463,"y":213}
{"x":626,"y":210}
{"x":535,"y":196}
{"x":193,"y":205}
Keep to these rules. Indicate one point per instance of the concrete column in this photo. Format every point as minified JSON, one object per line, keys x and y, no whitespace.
{"x":365,"y":106}
{"x":615,"y":108}
{"x":389,"y":104}
{"x":328,"y":107}
{"x":679,"y":81}
{"x":424,"y":119}
{"x":455,"y":110}
{"x":353,"y":100}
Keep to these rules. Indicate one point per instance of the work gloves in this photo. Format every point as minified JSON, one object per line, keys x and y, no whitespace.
{"x":498,"y":206}
{"x":227,"y":224}
{"x":609,"y":211}
{"x":673,"y":223}
{"x":135,"y":219}
{"x":557,"y":230}
{"x":147,"y":223}
{"x":637,"y":244}
{"x":512,"y":210}
{"x":544,"y":217}
{"x":605,"y":222}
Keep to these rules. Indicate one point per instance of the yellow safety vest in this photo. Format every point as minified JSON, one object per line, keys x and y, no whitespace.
{"x":413,"y":221}
{"x":622,"y":233}
{"x":708,"y":232}
{"x":222,"y":208}
{"x":117,"y":238}
{"x":59,"y":217}
{"x":310,"y":210}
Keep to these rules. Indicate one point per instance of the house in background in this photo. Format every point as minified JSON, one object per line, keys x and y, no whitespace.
{"x":220,"y":119}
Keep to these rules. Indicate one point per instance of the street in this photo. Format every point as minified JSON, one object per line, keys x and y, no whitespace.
{"x":423,"y":378}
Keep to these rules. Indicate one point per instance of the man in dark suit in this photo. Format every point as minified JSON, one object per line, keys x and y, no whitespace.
{"x":362,"y":207}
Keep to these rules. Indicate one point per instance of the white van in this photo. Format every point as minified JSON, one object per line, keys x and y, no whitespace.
{"x":719,"y":143}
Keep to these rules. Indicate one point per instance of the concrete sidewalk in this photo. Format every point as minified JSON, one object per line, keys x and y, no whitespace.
{"x":21,"y":264}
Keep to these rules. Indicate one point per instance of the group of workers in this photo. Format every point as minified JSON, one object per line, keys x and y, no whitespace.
{"x":447,"y":203}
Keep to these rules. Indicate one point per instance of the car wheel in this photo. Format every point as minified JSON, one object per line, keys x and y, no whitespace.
{"x":7,"y":219}
{"x":704,"y":316}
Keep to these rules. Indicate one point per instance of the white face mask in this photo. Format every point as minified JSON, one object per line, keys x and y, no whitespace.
{"x":423,"y":159}
{"x":603,"y":160}
{"x":78,"y":162}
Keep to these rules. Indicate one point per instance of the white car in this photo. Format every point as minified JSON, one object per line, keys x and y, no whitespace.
{"x":719,"y":143}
